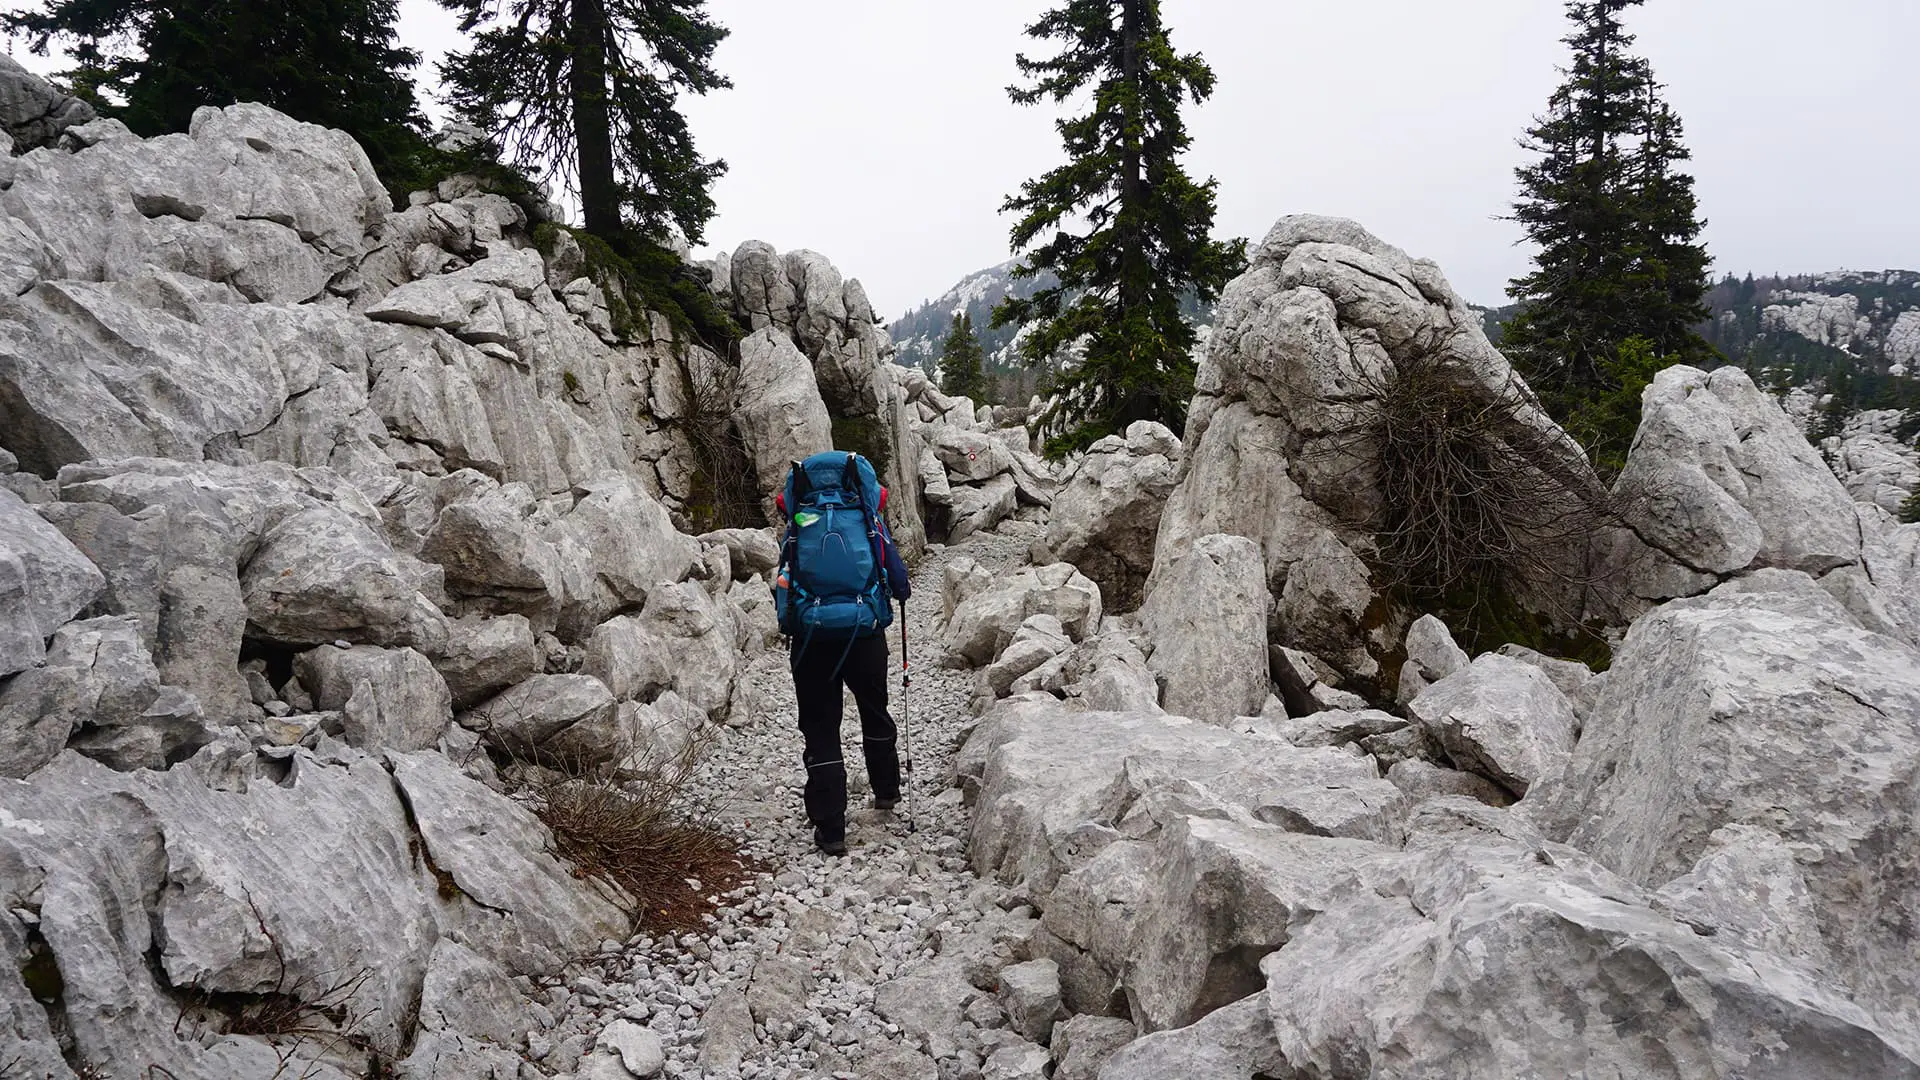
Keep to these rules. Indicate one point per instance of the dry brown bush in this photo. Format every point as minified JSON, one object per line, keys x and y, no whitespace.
{"x":1480,"y":515}
{"x":640,"y":831}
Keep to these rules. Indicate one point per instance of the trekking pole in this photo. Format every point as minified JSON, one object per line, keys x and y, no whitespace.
{"x":906,"y":723}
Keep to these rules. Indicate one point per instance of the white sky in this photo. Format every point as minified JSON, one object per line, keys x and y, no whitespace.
{"x":879,"y":133}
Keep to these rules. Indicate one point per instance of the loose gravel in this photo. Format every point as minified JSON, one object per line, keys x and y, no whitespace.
{"x":783,"y":981}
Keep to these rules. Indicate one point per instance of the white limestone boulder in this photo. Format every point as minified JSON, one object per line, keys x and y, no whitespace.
{"x":1757,"y":706}
{"x":1499,"y":718}
{"x":970,"y":457}
{"x":1305,"y":344}
{"x":44,"y":582}
{"x":750,"y":552}
{"x":1043,"y":771}
{"x":988,"y":612}
{"x":97,"y":685}
{"x":1230,"y":1043}
{"x":977,"y":508}
{"x":485,"y":656}
{"x":1431,"y":656}
{"x":322,"y":575}
{"x":684,"y":640}
{"x":306,"y":887}
{"x":1039,"y":639}
{"x":1107,"y":511}
{"x":1492,"y":952}
{"x":1206,"y":620}
{"x":778,"y":411}
{"x":566,"y":720}
{"x":402,"y":703}
{"x":1719,"y":482}
{"x":629,"y":546}
{"x":32,"y":112}
{"x":520,"y":906}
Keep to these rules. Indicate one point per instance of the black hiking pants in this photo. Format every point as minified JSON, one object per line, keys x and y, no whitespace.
{"x":817,"y":686}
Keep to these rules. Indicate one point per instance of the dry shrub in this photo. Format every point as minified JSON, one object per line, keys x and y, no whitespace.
{"x":1481,"y":516}
{"x":726,"y":493}
{"x":305,"y":1018}
{"x":640,"y":831}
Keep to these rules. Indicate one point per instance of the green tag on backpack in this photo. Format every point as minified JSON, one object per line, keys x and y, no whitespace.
{"x":806,"y":517}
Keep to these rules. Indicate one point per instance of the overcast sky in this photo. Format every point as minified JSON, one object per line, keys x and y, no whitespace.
{"x":879,"y":132}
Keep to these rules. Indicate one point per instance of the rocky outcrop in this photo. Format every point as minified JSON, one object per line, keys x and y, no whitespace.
{"x":1306,"y":344}
{"x":1761,"y":706}
{"x":44,"y":581}
{"x":318,"y":886}
{"x":801,"y":300}
{"x":1107,"y":511}
{"x":1499,"y":718}
{"x":1405,"y":972}
{"x":33,"y":113}
{"x":1719,"y":483}
{"x":1873,"y":465}
{"x":1207,"y":623}
{"x":985,"y":614}
{"x":289,"y":478}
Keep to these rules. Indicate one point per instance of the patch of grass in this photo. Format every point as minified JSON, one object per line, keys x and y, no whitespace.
{"x":638,"y":276}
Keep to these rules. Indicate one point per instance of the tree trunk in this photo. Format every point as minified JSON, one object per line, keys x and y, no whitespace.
{"x":1134,"y":272}
{"x":593,"y":119}
{"x":1132,"y":183}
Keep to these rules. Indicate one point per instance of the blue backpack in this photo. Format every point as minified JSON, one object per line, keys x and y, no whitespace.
{"x":832,"y":556}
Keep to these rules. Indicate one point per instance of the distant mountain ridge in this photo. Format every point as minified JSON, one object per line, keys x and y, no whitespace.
{"x":918,"y":334}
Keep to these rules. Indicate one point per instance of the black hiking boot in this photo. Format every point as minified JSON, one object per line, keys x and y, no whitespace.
{"x":835,"y":846}
{"x":885,"y":802}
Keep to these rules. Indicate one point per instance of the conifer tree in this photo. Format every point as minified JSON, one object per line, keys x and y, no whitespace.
{"x":1147,"y":223}
{"x":963,"y":363}
{"x":151,"y":63}
{"x":1620,"y":269}
{"x":586,"y":89}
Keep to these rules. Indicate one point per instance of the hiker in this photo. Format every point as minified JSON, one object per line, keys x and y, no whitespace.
{"x":838,"y":566}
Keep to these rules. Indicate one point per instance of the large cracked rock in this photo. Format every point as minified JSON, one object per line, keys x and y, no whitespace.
{"x":1305,"y":341}
{"x":800,"y":298}
{"x":1499,"y":718}
{"x":1719,"y":482}
{"x":98,"y":683}
{"x":1491,"y":952}
{"x":44,"y":581}
{"x":1207,"y":622}
{"x":1108,"y":507}
{"x":982,"y":624}
{"x":569,"y":721}
{"x":1045,"y":773}
{"x":306,"y":886}
{"x":777,"y":410}
{"x":392,"y":699}
{"x":1756,"y":706}
{"x":685,"y":640}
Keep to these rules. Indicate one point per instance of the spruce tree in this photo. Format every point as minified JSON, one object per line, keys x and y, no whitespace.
{"x":1113,"y":320}
{"x":587,"y":89}
{"x":1620,"y":268}
{"x":1910,"y":509}
{"x":151,"y":63}
{"x":963,"y":363}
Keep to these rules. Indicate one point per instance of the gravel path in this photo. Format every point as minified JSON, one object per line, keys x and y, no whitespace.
{"x":783,"y":983}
